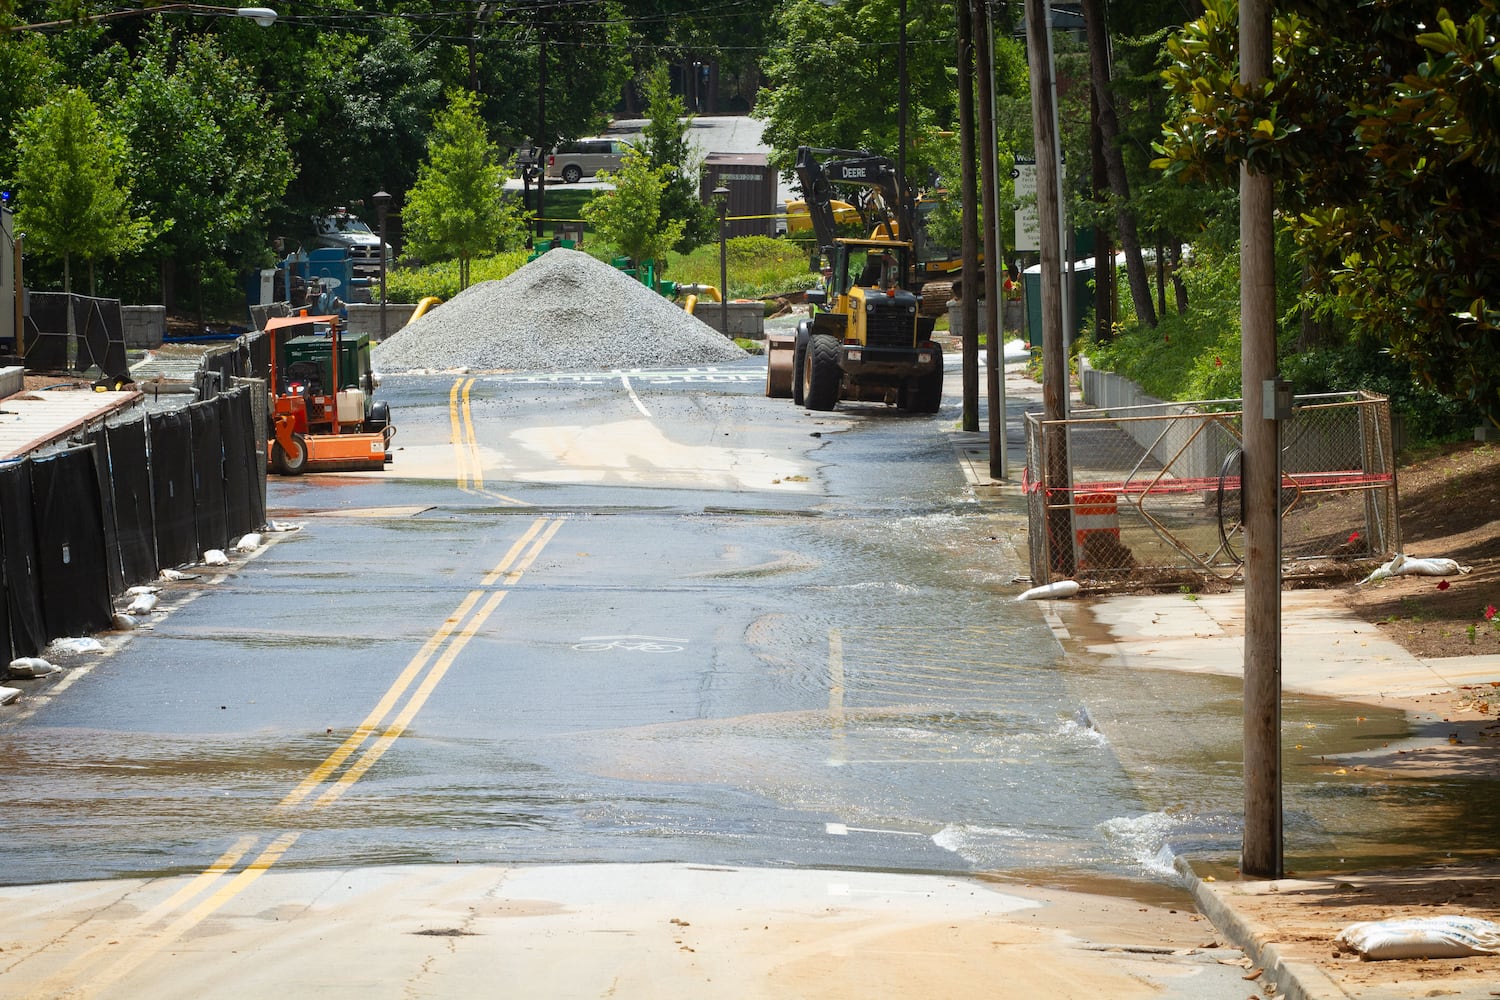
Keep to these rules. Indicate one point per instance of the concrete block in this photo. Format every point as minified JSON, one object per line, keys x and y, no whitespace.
{"x":746,"y":319}
{"x":12,"y":381}
{"x":364,"y":317}
{"x":144,"y":326}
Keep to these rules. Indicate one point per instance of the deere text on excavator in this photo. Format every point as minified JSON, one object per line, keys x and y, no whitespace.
{"x":868,"y":339}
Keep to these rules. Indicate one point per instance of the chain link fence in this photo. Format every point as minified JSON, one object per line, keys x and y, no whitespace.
{"x":1150,"y":495}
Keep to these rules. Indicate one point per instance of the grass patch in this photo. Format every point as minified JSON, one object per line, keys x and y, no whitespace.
{"x":759,"y":267}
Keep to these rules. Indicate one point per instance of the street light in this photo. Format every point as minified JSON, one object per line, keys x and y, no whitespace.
{"x":382,"y":199}
{"x":263,"y":16}
{"x":721,"y":195}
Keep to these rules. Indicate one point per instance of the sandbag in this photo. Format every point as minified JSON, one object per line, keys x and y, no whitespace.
{"x":1420,"y":937}
{"x":1062,"y":588}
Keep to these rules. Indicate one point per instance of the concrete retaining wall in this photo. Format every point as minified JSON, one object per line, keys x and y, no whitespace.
{"x":1168,"y":441}
{"x":746,"y":319}
{"x":364,"y":317}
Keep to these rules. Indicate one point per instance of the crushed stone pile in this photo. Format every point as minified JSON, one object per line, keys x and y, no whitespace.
{"x":564,"y":311}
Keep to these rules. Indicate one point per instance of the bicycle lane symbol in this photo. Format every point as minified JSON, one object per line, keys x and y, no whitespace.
{"x":630,"y":643}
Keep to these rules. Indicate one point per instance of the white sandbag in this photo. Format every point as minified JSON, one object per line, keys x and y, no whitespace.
{"x":29,"y":667}
{"x":247,"y":543}
{"x":1062,"y":588}
{"x":83,"y":644}
{"x":8,"y":695}
{"x":122,"y":622}
{"x":177,"y":574}
{"x":1385,"y":571}
{"x":215,"y":557}
{"x":143,"y":604}
{"x":138,"y":591}
{"x":1420,"y":937}
{"x":1401,"y":564}
{"x":1431,"y":567}
{"x":282,"y":526}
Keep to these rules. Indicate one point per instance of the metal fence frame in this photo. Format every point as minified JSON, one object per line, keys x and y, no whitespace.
{"x":1166,"y":476}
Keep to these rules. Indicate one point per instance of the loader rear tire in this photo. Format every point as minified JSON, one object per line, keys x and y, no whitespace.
{"x":926,"y":393}
{"x":799,"y":358}
{"x":822,"y":375}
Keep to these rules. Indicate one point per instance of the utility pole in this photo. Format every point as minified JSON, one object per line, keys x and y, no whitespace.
{"x":969,"y":300}
{"x":541,"y":135}
{"x":1049,"y":226}
{"x":995,"y":351}
{"x":1261,"y":852}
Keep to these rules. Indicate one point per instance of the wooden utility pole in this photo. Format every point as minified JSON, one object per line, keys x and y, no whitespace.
{"x":995,"y":352}
{"x":969,"y":300}
{"x":1261,"y":853}
{"x":1049,"y":233}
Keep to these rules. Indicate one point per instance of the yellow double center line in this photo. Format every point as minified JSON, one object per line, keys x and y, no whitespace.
{"x":331,"y":778}
{"x":470,"y":475}
{"x":450,"y":639}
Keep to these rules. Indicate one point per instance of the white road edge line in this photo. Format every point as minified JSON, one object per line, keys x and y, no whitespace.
{"x":625,"y":381}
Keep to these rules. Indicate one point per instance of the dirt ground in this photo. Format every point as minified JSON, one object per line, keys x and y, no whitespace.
{"x":1449,"y":502}
{"x":1303,"y":917}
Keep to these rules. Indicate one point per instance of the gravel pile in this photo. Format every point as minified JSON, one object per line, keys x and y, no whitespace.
{"x":565,"y":311}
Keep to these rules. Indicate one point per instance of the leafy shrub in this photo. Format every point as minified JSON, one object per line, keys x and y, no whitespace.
{"x":412,"y":284}
{"x":1426,"y":414}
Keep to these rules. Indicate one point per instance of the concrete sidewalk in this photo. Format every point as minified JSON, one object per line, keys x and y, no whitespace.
{"x":1287,"y":926}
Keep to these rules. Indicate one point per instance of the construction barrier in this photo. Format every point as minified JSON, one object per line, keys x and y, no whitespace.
{"x":80,"y":526}
{"x":1096,"y":531}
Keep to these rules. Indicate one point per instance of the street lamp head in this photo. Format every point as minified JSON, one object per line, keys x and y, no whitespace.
{"x":381,"y":198}
{"x":263,"y":16}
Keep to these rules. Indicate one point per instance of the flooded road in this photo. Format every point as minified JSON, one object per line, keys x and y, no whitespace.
{"x":631,"y":618}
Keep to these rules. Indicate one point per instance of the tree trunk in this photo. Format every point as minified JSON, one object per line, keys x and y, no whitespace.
{"x":1178,"y":287}
{"x":1114,"y":163}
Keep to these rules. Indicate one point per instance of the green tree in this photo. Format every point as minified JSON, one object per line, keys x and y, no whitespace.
{"x":587,"y":67}
{"x":630,"y":217}
{"x":455,"y":210}
{"x":74,"y":196}
{"x":832,"y":82}
{"x":27,"y":75}
{"x":1381,"y":126}
{"x":664,"y":141}
{"x":210,"y":156}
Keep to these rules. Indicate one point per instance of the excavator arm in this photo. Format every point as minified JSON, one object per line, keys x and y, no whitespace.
{"x":845,"y":167}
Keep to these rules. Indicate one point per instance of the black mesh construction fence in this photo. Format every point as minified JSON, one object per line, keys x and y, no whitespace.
{"x":80,"y":526}
{"x":170,"y":440}
{"x":97,"y":341}
{"x":208,"y":476}
{"x":46,"y":323}
{"x":26,"y":633}
{"x":96,"y":440}
{"x":100,"y":328}
{"x":242,"y":511}
{"x":130,"y":501}
{"x":71,"y":564}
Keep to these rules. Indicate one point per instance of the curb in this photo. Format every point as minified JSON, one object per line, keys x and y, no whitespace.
{"x":1295,"y":980}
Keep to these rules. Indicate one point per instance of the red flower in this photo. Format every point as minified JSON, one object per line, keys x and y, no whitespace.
{"x":1353,"y":537}
{"x":1218,"y":361}
{"x":1489,"y":612}
{"x":1442,"y":585}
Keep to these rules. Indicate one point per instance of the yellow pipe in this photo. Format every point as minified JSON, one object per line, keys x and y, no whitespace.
{"x":695,"y":291}
{"x":426,"y":304}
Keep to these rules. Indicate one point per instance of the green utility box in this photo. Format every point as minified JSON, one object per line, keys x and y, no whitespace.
{"x":1082,"y":298}
{"x":319,"y":351}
